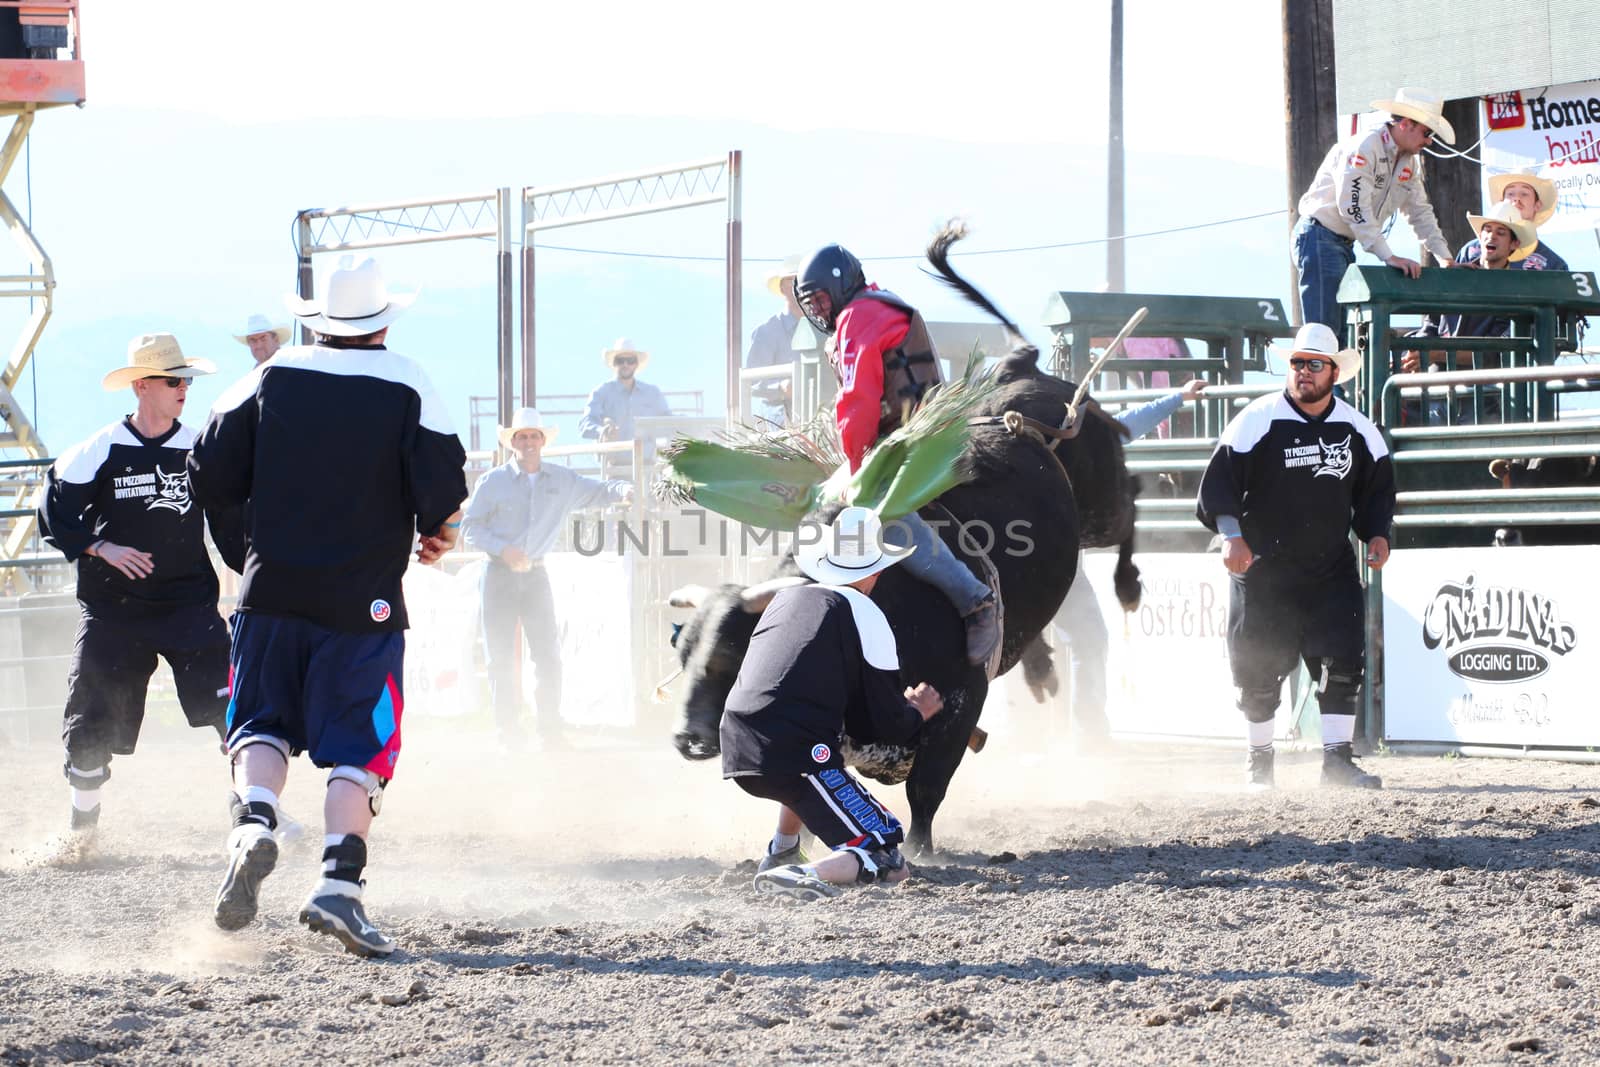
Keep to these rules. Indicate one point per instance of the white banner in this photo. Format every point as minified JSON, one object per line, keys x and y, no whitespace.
{"x":1167,"y":671}
{"x":1556,"y":133}
{"x":440,"y":676}
{"x":1491,"y":646}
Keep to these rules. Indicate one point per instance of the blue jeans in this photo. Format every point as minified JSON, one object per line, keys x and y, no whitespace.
{"x":1321,"y":257}
{"x":934,"y":563}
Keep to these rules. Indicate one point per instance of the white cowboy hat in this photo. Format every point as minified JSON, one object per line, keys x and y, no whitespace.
{"x":1315,"y":339}
{"x":789,"y":268}
{"x":261,"y":324}
{"x":526,"y":419}
{"x":156,"y":355}
{"x":357,"y":302}
{"x":849,"y":550}
{"x":1543,"y":188}
{"x":1423,"y":105}
{"x":623,"y":345}
{"x":1509,"y":215}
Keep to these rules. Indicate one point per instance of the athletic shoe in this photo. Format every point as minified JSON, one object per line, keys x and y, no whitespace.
{"x":1259,"y":770}
{"x":794,"y":882}
{"x":85,"y":820}
{"x":252,"y":855}
{"x":335,"y":909}
{"x":1339,"y":769}
{"x":291,"y":832}
{"x":788,"y":857}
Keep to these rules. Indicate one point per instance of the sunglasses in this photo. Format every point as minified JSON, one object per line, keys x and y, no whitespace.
{"x":1315,"y":366}
{"x":624,"y":361}
{"x":172,"y":383}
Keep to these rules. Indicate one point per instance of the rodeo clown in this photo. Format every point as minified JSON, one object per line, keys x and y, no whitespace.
{"x":118,"y":505}
{"x":822,"y":662}
{"x":346,"y":456}
{"x":1292,"y":475}
{"x":885,"y":363}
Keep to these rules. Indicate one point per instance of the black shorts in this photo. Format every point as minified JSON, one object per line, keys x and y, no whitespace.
{"x":111,"y":667}
{"x":1276,"y":618}
{"x":832,"y":804}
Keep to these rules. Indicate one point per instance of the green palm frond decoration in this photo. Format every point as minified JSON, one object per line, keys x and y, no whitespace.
{"x":772,"y":479}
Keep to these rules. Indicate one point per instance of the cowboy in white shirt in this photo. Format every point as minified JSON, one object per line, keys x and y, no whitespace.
{"x":1363,"y":181}
{"x":262,"y":337}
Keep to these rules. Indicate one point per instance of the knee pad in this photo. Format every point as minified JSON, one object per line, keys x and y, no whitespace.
{"x":277,"y":744}
{"x":365,"y":779}
{"x":1260,"y":702}
{"x":86,"y":779}
{"x":876,"y":864}
{"x":1339,"y":689}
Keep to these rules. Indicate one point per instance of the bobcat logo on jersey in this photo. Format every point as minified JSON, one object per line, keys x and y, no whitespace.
{"x":174,"y":493}
{"x":1337,"y":458}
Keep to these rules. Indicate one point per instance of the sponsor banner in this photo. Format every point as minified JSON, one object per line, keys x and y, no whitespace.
{"x":1556,"y":133}
{"x":1491,"y":646}
{"x":1167,"y":668}
{"x":440,"y":677}
{"x":594,"y":610}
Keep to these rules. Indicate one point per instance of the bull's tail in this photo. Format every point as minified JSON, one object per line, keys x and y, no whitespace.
{"x":939,"y":256}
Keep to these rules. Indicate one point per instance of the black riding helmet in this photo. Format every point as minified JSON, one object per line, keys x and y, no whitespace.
{"x":832,"y":270}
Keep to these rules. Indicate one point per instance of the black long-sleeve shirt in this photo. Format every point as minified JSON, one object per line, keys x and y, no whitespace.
{"x":804,"y":676}
{"x":343,"y":454}
{"x":121,"y":487}
{"x":1298,"y":484}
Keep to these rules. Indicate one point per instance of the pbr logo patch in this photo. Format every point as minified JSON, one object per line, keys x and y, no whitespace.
{"x":1358,"y":160}
{"x":1405,"y":174}
{"x":821,"y":753}
{"x":380,"y":611}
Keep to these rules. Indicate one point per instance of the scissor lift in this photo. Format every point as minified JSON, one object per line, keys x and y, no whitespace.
{"x":41,"y":66}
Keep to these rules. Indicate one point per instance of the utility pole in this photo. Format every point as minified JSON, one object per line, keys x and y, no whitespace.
{"x":1454,"y":183}
{"x":1308,"y":93}
{"x":1116,"y":274}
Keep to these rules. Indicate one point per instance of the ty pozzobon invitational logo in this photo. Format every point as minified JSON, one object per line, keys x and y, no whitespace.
{"x":1495,"y":633}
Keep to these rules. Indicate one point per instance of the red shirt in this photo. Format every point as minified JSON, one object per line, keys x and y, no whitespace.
{"x":864,"y":330}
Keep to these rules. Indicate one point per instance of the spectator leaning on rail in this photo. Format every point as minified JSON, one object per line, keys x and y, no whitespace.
{"x":1535,"y":198}
{"x":1362,"y":182}
{"x":514,"y":517}
{"x":1078,"y":624}
{"x":823,"y":663}
{"x":1292,"y":475}
{"x":772,"y":345}
{"x":346,"y":455}
{"x":609,"y":413}
{"x":885,"y":362}
{"x":119,"y":506}
{"x":262,"y":337}
{"x":1502,"y":234}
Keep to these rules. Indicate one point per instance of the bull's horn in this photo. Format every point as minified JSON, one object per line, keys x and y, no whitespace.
{"x":660,"y":694}
{"x":755,"y":598}
{"x":688,"y":596}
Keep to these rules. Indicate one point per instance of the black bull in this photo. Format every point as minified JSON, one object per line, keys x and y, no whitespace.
{"x":1021,"y":511}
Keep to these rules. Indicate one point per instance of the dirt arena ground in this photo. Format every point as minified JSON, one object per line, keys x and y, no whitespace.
{"x":594,"y":906}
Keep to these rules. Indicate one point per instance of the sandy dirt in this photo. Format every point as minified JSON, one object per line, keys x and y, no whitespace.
{"x":594,"y":905}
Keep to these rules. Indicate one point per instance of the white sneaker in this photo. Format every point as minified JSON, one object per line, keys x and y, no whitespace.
{"x":252,"y":853}
{"x":794,"y":882}
{"x":335,"y":909}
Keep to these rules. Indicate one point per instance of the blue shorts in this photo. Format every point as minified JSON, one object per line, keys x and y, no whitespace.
{"x":332,"y":694}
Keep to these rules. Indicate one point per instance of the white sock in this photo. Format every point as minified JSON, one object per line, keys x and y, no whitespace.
{"x":1261,"y":736}
{"x":85,"y":799}
{"x":782,"y":842}
{"x":259,"y":794}
{"x":1338,"y":730}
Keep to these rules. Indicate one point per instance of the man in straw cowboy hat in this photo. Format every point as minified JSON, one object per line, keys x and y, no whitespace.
{"x":119,"y":506}
{"x":1503,"y":235}
{"x":346,"y":456}
{"x":1362,"y":182}
{"x":772,"y":345}
{"x":1535,"y":198}
{"x":823,"y":663}
{"x":516,"y":513}
{"x":262,"y":337}
{"x":1292,"y":475}
{"x":611,"y":408}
